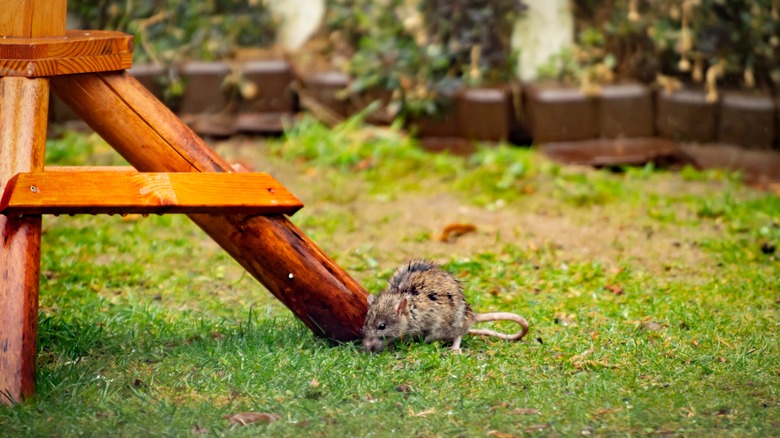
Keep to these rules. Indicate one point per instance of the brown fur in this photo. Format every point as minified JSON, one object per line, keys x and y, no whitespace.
{"x":423,"y":301}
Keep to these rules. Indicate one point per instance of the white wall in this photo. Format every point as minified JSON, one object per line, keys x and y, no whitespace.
{"x":300,"y":18}
{"x":544,"y":31}
{"x":547,"y":28}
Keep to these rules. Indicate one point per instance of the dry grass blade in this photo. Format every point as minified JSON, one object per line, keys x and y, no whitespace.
{"x":244,"y":418}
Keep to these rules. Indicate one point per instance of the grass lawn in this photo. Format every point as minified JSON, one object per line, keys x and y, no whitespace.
{"x":652,"y":295}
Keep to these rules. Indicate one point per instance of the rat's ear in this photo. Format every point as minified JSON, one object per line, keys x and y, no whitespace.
{"x":371,"y":299}
{"x":401,"y":308}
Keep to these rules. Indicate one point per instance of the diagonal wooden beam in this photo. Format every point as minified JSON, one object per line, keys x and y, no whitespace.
{"x":271,"y":248}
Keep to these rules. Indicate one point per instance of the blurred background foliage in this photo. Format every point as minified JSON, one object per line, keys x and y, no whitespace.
{"x":421,"y":52}
{"x":733,"y":43}
{"x":167,"y":31}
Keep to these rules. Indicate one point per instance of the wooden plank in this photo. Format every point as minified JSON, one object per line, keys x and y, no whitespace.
{"x":76,"y":52}
{"x":74,"y":44}
{"x":23,"y":107}
{"x":48,"y":17}
{"x":100,"y":192}
{"x":90,"y":169}
{"x":271,"y":248}
{"x":32,"y":18}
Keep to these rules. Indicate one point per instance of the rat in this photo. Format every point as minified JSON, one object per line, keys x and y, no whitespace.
{"x":422,"y":300}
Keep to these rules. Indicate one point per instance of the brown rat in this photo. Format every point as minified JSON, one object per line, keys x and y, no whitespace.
{"x":424,"y":301}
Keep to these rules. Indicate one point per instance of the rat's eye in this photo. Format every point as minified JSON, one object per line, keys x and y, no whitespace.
{"x":381,"y":326}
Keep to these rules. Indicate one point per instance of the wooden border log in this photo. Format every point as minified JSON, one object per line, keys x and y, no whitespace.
{"x":271,"y":248}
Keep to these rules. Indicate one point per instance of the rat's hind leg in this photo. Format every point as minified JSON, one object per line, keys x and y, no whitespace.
{"x":456,"y":345}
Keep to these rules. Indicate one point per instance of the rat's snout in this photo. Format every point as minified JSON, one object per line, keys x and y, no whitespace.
{"x":373,"y":345}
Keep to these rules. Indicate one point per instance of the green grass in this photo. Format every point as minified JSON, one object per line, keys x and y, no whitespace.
{"x":668,"y":325}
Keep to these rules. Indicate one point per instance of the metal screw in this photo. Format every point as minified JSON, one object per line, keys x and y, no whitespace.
{"x":34,"y":189}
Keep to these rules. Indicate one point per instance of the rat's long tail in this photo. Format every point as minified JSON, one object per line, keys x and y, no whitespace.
{"x":500,"y":316}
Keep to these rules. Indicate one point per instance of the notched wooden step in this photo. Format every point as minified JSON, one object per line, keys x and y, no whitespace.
{"x":120,"y":192}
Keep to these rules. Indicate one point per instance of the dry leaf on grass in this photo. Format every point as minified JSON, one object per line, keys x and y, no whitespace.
{"x":452,"y":231}
{"x":499,"y":434}
{"x":525,"y":411}
{"x":244,"y":418}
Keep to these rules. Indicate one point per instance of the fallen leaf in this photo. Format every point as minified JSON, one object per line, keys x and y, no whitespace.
{"x":525,"y":411}
{"x":452,"y":231}
{"x":364,"y":164}
{"x":499,"y":434}
{"x":615,"y":289}
{"x":244,"y":418}
{"x":314,"y":383}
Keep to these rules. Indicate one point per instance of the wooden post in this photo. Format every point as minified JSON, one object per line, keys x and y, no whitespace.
{"x":24,"y":105}
{"x":270,"y":248}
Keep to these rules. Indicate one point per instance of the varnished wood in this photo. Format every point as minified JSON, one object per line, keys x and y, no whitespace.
{"x":130,"y":169}
{"x":23,"y":106}
{"x":32,"y":18}
{"x":23,"y":116}
{"x":77,"y":51}
{"x":271,"y":248}
{"x":107,"y":192}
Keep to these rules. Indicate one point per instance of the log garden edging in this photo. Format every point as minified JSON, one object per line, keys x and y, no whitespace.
{"x":627,"y":123}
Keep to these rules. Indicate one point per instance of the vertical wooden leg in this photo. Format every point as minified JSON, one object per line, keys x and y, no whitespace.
{"x":23,"y":110}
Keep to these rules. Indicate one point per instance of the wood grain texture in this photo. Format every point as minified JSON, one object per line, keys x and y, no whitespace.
{"x":32,"y":18}
{"x":23,"y":108}
{"x":100,"y":192}
{"x":75,"y":52}
{"x":271,"y":248}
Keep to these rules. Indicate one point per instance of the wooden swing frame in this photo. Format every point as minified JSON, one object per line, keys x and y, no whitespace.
{"x":174,"y":172}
